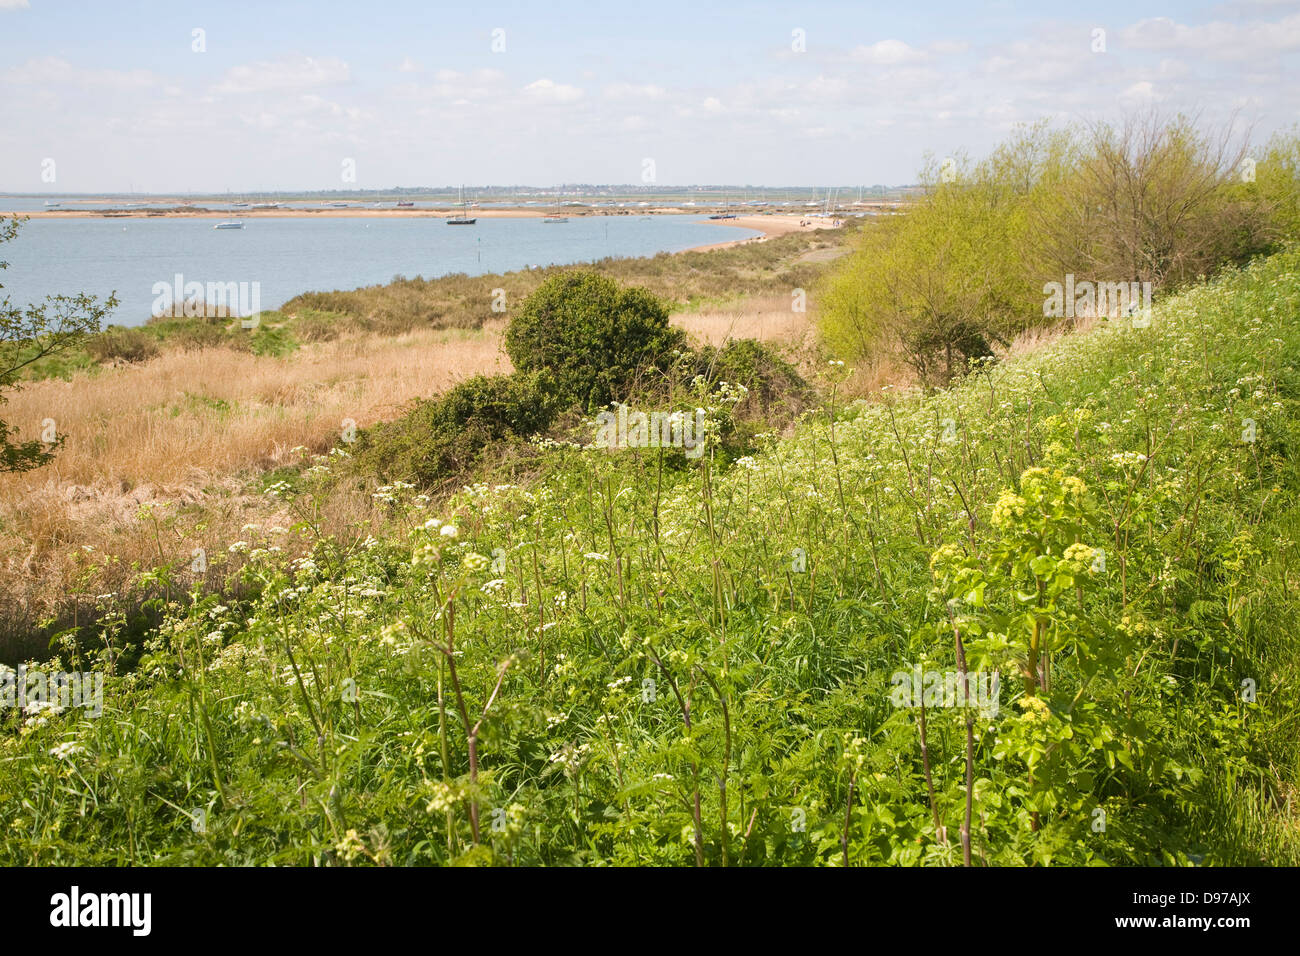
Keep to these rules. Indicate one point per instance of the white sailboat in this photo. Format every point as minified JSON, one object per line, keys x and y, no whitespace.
{"x":462,"y":219}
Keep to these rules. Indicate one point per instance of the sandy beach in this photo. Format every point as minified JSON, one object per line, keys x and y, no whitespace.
{"x":769,"y":225}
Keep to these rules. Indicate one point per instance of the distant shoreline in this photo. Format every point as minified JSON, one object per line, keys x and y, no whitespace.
{"x":201,"y":212}
{"x":769,"y":224}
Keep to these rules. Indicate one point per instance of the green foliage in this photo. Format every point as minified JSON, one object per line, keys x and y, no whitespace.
{"x":594,"y":336}
{"x":775,"y":393}
{"x":627,"y":664}
{"x":1276,"y":183}
{"x":1146,"y":201}
{"x":448,"y":436}
{"x":271,"y":340}
{"x":119,"y":344}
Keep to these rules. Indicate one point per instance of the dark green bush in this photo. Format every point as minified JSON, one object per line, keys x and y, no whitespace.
{"x":447,"y":436}
{"x":118,"y":344}
{"x":777,"y":392}
{"x":593,"y":335}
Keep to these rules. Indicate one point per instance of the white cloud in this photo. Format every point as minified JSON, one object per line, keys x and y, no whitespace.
{"x":1219,"y":41}
{"x":14,"y":5}
{"x":1140,"y":94}
{"x":51,"y":71}
{"x":888,"y":53}
{"x":296,"y":73}
{"x":620,"y":91}
{"x":548,"y":91}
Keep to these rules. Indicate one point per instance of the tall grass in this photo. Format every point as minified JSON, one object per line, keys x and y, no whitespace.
{"x":188,"y":436}
{"x":631,"y":664}
{"x":182,"y":435}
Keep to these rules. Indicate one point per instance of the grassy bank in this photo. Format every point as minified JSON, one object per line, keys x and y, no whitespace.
{"x":170,"y":429}
{"x":691,"y":281}
{"x":627,"y":663}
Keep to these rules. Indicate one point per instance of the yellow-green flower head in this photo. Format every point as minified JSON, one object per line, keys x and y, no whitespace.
{"x":1034,"y":479}
{"x":1008,"y":510}
{"x":1077,"y":559}
{"x":945,"y":557}
{"x":1036,"y":709}
{"x":475,"y":562}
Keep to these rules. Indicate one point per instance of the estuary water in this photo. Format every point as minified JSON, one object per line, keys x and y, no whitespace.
{"x":286,"y":256}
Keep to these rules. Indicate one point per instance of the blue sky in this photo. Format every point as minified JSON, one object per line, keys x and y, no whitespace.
{"x":285,"y":95}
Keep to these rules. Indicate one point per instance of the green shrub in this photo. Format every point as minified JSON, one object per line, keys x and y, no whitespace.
{"x":1146,"y":200}
{"x":596,"y":337}
{"x":777,"y":392}
{"x":273,"y":341}
{"x":447,"y":436}
{"x":314,"y":326}
{"x":118,"y":344}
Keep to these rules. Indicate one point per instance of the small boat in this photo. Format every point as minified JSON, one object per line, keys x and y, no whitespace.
{"x":231,"y":224}
{"x":337,"y":205}
{"x":723,"y":215}
{"x":239,"y":205}
{"x":462,"y":219}
{"x":556,"y":219}
{"x":52,"y":204}
{"x":406,"y":205}
{"x":266,"y":205}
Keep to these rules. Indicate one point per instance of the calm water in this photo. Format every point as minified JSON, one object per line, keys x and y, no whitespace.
{"x":288,"y":255}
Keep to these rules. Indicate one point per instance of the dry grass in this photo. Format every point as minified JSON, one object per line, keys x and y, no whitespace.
{"x":182,"y":434}
{"x":769,"y":318}
{"x":158,"y":457}
{"x":1039,"y":337}
{"x":188,"y":415}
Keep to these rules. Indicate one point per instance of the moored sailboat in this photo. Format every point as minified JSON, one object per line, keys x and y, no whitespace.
{"x":462,"y":219}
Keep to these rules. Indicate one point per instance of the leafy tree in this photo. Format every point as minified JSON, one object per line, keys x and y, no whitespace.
{"x":938,"y":285}
{"x":1150,"y":200}
{"x":28,"y":335}
{"x":594,"y":336}
{"x":1153,"y":200}
{"x":1276,"y":182}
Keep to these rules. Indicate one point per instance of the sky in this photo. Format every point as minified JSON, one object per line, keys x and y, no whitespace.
{"x":170,"y":96}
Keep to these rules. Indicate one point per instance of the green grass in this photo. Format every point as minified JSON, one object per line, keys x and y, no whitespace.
{"x":628,"y":664}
